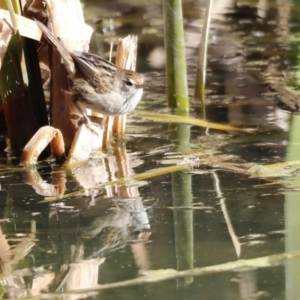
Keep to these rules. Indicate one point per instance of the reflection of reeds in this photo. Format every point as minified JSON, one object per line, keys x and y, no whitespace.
{"x":183,"y":196}
{"x":132,"y":180}
{"x":81,"y":275}
{"x":12,"y":281}
{"x":158,"y":276}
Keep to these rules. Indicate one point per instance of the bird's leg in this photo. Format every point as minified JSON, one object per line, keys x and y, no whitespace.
{"x":87,"y":120}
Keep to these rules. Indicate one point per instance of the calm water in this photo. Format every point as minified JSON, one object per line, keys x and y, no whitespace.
{"x":84,"y":237}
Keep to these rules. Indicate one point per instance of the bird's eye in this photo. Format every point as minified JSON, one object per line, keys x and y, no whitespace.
{"x":128,"y":83}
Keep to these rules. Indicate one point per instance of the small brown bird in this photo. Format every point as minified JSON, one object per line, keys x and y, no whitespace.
{"x":96,"y":83}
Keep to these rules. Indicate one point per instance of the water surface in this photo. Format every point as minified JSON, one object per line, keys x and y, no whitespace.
{"x":87,"y":235}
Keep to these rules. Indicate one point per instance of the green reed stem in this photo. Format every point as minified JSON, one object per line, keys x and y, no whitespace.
{"x":182,"y":195}
{"x":177,"y":88}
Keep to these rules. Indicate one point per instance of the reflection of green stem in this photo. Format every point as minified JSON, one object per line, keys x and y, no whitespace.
{"x":292,"y":204}
{"x":183,"y":219}
{"x":175,"y":52}
{"x":182,"y":197}
{"x":291,"y":213}
{"x":180,"y":136}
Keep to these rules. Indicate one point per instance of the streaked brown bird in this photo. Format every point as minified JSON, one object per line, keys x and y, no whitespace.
{"x":96,"y":83}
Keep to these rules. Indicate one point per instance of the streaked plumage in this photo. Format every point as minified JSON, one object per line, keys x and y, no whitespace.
{"x":98,"y":84}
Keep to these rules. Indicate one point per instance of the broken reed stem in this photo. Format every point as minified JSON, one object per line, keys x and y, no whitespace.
{"x":126,"y":59}
{"x":21,"y":93}
{"x":61,"y":104}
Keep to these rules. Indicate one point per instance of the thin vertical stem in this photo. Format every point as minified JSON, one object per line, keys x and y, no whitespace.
{"x":201,"y":66}
{"x":175,"y":53}
{"x":183,"y":205}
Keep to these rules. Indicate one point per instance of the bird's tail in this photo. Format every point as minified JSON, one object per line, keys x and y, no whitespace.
{"x":65,"y":54}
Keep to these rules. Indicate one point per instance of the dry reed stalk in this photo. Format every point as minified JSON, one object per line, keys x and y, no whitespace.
{"x":126,"y":59}
{"x":20,"y":98}
{"x":26,"y":27}
{"x":43,"y":137}
{"x":75,"y":35}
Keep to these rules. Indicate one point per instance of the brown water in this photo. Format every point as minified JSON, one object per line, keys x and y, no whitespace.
{"x":89,"y":235}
